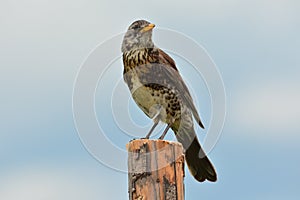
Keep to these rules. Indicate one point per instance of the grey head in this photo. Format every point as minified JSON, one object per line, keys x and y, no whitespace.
{"x":138,"y":35}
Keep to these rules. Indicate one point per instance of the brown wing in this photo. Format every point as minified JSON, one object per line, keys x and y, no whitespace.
{"x":174,"y":75}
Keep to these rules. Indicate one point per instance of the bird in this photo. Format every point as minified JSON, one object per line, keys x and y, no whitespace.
{"x":159,"y":91}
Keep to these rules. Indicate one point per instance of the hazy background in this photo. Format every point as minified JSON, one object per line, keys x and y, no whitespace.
{"x":255,"y":45}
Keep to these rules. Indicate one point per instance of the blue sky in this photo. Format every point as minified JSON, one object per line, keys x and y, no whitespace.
{"x":255,"y":45}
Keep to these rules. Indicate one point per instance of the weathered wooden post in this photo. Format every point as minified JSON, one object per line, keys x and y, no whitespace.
{"x":155,"y":170}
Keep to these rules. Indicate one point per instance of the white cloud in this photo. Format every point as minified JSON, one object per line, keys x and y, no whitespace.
{"x":270,"y":107}
{"x":49,"y":184}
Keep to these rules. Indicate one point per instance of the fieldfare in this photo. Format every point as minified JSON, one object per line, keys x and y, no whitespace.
{"x":158,"y":89}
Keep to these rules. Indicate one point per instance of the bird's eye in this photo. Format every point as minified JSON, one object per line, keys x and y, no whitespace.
{"x":135,"y":27}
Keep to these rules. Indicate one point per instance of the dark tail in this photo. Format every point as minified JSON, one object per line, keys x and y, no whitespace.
{"x":197,"y":161}
{"x":199,"y":164}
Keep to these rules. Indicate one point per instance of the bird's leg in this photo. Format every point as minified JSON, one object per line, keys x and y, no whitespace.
{"x":165,"y":132}
{"x":156,"y":120}
{"x":151,"y":130}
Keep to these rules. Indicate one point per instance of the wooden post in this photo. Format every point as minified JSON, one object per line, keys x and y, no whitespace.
{"x":155,"y":170}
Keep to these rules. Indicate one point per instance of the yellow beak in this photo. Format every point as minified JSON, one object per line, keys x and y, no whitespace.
{"x":148,"y":28}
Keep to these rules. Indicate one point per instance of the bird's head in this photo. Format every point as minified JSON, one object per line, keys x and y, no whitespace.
{"x":138,"y":35}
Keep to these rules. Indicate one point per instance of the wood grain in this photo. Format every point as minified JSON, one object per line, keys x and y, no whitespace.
{"x":155,"y":170}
